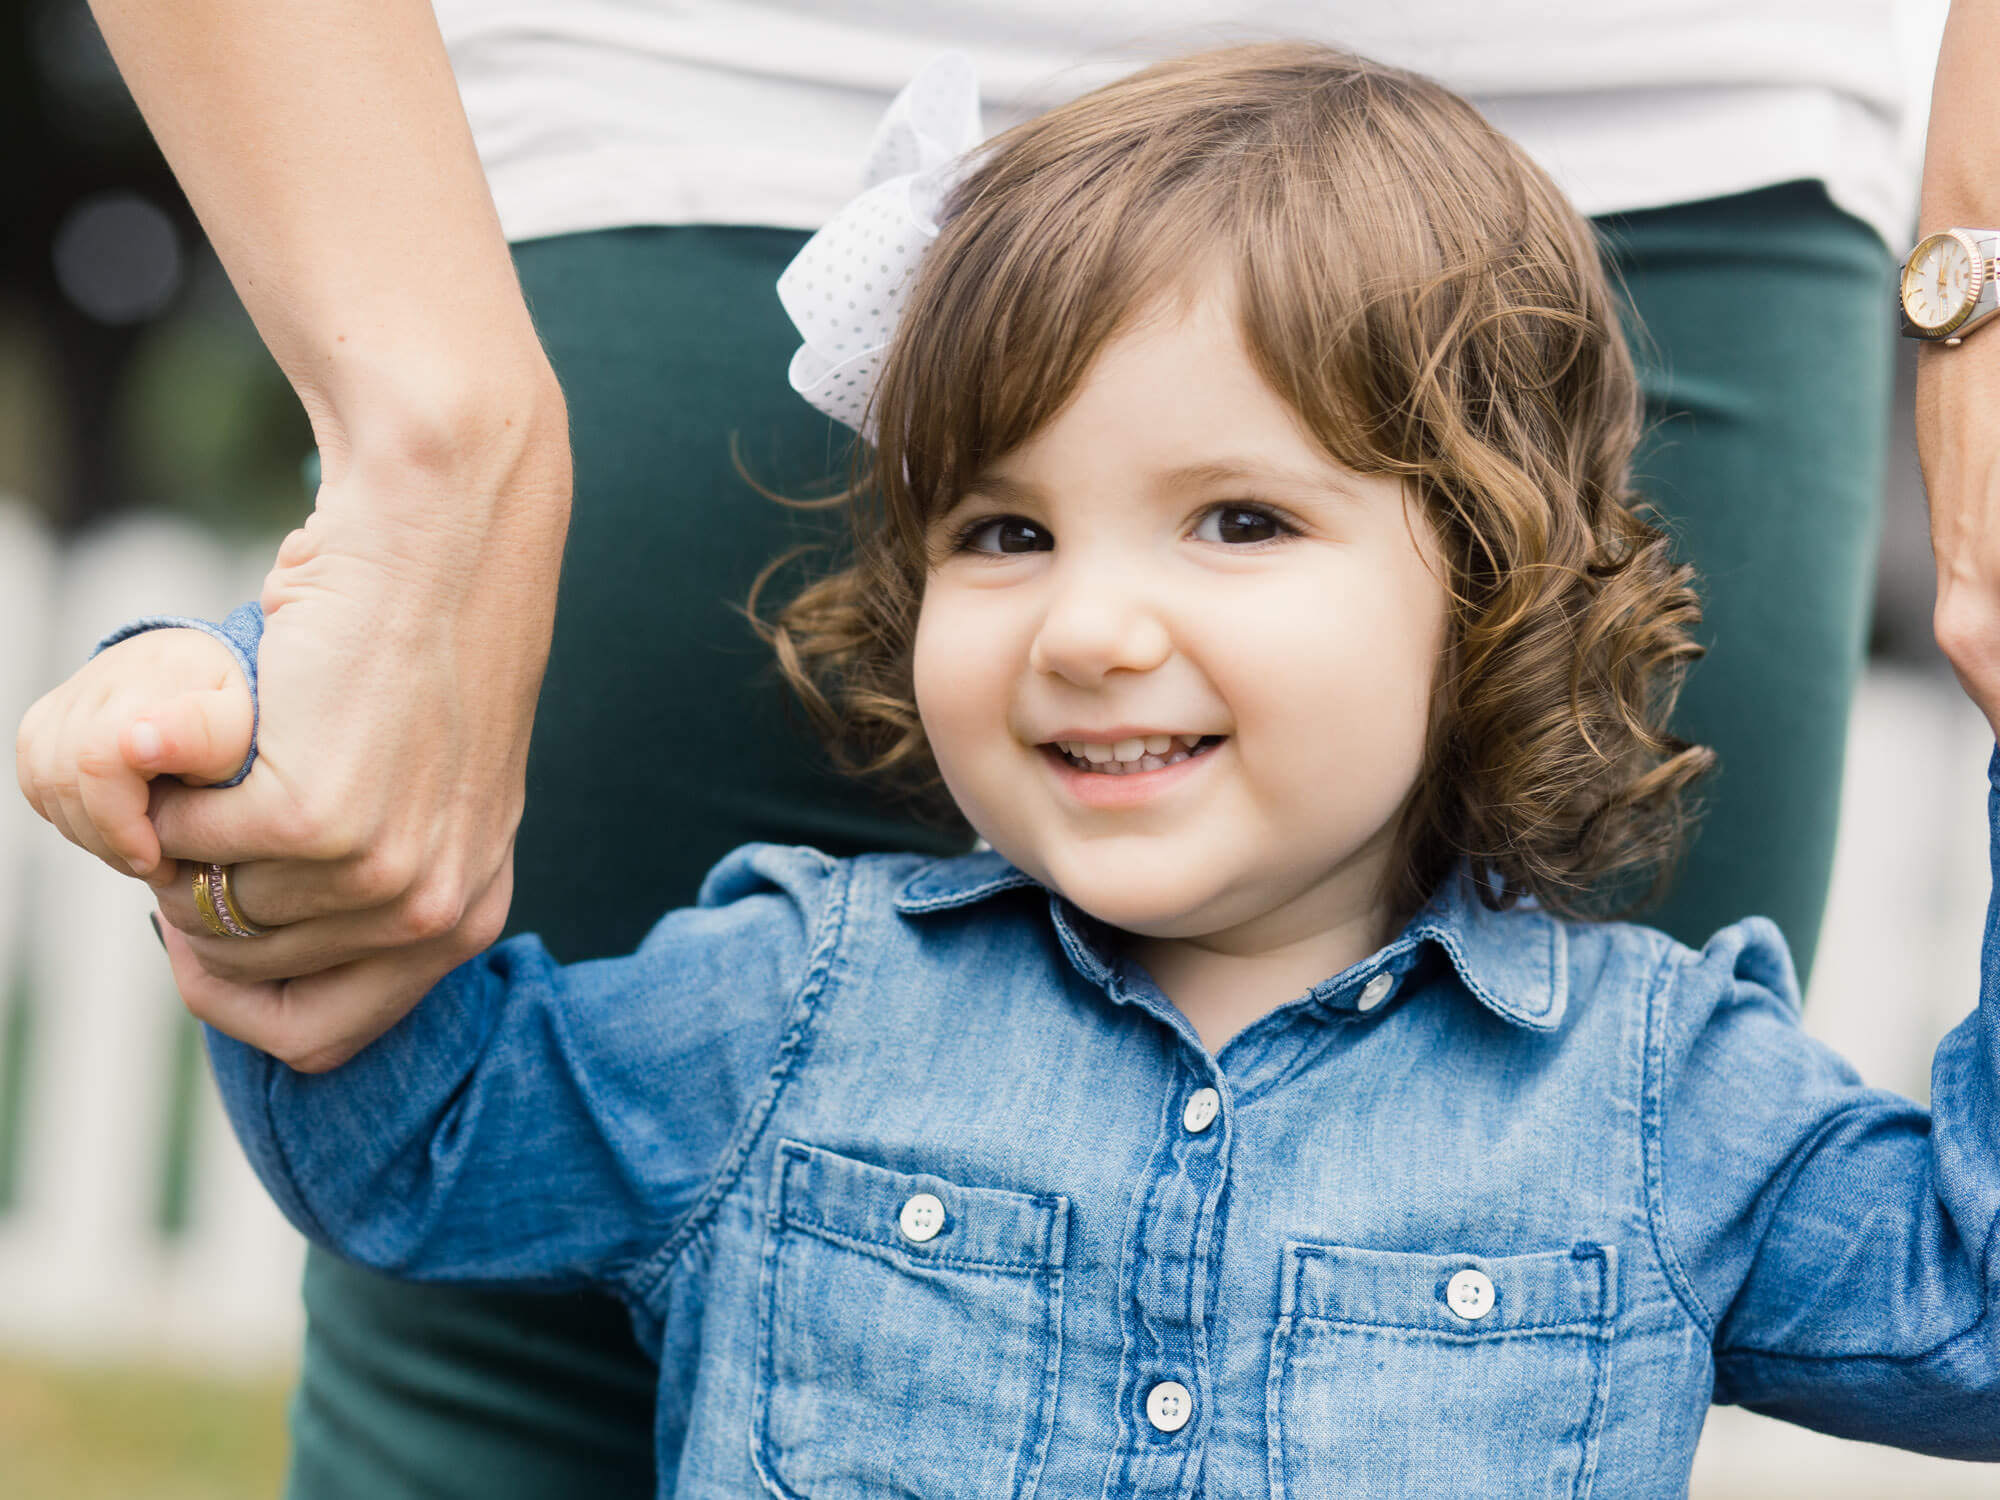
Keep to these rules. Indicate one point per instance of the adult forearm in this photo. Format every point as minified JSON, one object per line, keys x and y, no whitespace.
{"x":1962,"y":150}
{"x":327,"y":154}
{"x":1957,"y":388}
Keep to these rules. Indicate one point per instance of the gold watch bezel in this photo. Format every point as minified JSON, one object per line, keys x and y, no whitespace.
{"x":1974,"y":286}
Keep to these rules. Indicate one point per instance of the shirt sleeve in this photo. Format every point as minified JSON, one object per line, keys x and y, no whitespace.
{"x":534,"y":1123}
{"x":241,"y":631}
{"x":1836,"y":1241}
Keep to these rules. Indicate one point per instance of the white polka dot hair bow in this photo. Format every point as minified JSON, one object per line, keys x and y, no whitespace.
{"x":847,"y":286}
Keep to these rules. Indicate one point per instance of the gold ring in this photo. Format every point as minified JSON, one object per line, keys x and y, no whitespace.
{"x":204,"y":902}
{"x":216,"y":903}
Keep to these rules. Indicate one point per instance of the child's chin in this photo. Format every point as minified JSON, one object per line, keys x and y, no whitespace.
{"x":1143,"y":895}
{"x":1146,"y":907}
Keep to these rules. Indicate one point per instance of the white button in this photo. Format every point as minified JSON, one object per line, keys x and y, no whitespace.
{"x":1376,"y":991}
{"x":1201,"y":1110}
{"x":922,"y":1217}
{"x":1469,"y":1294}
{"x":1168,"y":1406}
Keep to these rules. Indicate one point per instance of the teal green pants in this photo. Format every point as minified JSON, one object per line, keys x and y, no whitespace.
{"x":664,"y":738}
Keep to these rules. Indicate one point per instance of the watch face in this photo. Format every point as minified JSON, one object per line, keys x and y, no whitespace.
{"x":1941,"y":282}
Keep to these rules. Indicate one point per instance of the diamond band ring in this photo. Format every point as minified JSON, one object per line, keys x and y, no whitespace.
{"x":214,"y":900}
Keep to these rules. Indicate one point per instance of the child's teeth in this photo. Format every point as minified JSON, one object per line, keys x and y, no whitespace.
{"x":1150,"y":752}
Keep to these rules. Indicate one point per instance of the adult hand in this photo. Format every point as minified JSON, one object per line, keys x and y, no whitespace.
{"x":407,"y":627}
{"x":1958,"y":440}
{"x":328,"y":156}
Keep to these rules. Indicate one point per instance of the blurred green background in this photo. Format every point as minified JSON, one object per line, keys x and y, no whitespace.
{"x":131,"y":379}
{"x":130,"y":376}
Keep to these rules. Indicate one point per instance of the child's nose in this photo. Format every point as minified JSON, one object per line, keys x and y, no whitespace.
{"x":1097,"y":624}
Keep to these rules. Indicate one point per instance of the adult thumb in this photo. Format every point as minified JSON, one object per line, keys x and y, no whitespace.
{"x":200,"y":737}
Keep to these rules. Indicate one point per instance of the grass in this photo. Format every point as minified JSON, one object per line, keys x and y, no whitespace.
{"x":92,"y":1433}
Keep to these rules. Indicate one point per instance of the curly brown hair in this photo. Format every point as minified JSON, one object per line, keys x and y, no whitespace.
{"x":1432,"y":307}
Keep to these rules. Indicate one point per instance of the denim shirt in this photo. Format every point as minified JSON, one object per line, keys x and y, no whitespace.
{"x":915,"y":1186}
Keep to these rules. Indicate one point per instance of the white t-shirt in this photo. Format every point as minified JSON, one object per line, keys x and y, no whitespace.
{"x":595,"y":114}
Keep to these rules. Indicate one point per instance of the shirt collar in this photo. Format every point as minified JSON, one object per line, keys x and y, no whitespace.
{"x":961,"y":880}
{"x":1515,"y":962}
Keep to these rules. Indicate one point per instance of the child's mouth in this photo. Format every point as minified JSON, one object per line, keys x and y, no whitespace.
{"x":1129,"y":757}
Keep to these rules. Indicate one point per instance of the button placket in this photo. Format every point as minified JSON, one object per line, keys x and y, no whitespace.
{"x":1172,"y":1242}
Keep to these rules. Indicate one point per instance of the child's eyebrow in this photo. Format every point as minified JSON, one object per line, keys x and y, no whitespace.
{"x":996,"y":489}
{"x":1227,"y":471}
{"x":1000,"y":489}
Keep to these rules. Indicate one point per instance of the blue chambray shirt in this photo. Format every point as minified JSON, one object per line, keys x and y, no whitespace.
{"x":908,"y":1180}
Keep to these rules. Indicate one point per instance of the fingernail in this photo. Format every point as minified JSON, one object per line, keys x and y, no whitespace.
{"x":145,"y":740}
{"x":154,"y":918}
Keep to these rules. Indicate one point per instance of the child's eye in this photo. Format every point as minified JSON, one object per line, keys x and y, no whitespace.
{"x":1240,"y":525}
{"x":1006,"y":534}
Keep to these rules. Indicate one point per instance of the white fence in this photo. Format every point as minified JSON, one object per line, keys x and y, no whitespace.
{"x":134,"y":1231}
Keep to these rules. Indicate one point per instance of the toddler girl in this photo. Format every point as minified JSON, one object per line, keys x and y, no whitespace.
{"x":1249,"y":555}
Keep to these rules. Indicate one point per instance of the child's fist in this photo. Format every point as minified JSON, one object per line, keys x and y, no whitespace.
{"x":163,"y":703}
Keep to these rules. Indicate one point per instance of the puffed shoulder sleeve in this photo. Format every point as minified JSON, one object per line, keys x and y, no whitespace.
{"x":530,"y":1122}
{"x":1836,"y":1241}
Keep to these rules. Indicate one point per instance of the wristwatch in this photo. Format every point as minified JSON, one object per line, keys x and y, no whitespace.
{"x":1949,"y":285}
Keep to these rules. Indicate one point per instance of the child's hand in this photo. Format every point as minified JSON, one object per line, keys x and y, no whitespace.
{"x":167,"y":702}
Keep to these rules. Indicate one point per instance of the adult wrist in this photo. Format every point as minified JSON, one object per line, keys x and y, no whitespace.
{"x":438,"y":541}
{"x":494,"y":411}
{"x":1953,"y":384}
{"x":443,"y":467}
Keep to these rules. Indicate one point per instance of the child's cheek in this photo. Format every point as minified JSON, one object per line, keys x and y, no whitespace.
{"x":964,"y":690}
{"x":946,"y":655}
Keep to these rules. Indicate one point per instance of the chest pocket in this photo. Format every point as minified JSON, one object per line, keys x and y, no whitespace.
{"x":911,"y":1334}
{"x":1439,"y":1375}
